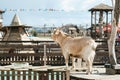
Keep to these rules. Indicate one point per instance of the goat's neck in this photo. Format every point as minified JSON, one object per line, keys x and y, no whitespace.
{"x":61,"y":39}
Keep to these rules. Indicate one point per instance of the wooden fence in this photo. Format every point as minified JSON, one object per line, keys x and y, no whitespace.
{"x":46,"y":52}
{"x":32,"y":59}
{"x":32,"y":75}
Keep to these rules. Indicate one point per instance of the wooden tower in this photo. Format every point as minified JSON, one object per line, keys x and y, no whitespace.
{"x":16,"y":31}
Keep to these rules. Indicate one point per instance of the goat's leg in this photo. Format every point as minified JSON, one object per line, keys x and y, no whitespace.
{"x":90,"y":68}
{"x":73,"y":62}
{"x":90,"y":61}
{"x":89,"y":65}
{"x":66,"y":61}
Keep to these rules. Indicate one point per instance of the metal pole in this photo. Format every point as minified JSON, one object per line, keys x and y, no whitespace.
{"x":44,"y":29}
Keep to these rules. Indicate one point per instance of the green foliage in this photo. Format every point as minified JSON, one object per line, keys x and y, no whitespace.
{"x":34,"y":33}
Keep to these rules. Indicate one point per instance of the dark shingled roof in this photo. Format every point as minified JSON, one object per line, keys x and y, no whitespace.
{"x":101,"y":7}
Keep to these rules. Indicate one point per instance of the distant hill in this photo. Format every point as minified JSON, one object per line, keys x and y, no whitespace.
{"x":42,"y":29}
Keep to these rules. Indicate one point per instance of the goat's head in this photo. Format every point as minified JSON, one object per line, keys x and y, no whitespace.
{"x":55,"y":34}
{"x":58,"y":33}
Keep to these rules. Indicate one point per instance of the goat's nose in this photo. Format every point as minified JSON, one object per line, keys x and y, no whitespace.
{"x":51,"y":33}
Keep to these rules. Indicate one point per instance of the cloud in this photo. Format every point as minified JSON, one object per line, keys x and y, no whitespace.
{"x":70,"y":5}
{"x":77,"y":11}
{"x":86,"y":4}
{"x":67,"y":5}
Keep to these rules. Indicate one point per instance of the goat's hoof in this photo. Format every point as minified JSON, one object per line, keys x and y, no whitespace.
{"x":88,"y":73}
{"x":77,"y":70}
{"x":72,"y":68}
{"x":66,"y":69}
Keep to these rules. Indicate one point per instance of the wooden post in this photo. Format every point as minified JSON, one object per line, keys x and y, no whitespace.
{"x":18,"y":75}
{"x":29,"y":74}
{"x":44,"y":54}
{"x":13,"y":75}
{"x":2,"y":74}
{"x":67,"y":75}
{"x":24,"y":75}
{"x":8,"y":75}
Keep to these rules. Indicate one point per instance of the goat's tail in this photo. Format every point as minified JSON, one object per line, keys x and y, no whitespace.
{"x":94,"y":45}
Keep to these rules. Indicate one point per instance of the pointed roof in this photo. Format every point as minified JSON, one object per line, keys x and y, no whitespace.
{"x":16,"y":21}
{"x":102,"y":7}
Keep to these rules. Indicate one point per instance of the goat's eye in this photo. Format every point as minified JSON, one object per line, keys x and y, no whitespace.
{"x":54,"y":32}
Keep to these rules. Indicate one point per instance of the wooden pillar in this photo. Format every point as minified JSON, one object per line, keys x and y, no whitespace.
{"x":91,"y":22}
{"x":1,"y":17}
{"x":95,"y":25}
{"x":107,"y":24}
{"x":0,"y":25}
{"x":111,"y":16}
{"x":117,"y":11}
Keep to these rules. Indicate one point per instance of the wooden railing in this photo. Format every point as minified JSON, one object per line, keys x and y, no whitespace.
{"x":31,"y":58}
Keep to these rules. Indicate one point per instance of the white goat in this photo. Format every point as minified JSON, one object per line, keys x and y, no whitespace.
{"x":76,"y":47}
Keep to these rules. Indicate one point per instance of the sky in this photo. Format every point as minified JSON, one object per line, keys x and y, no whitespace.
{"x":49,"y":12}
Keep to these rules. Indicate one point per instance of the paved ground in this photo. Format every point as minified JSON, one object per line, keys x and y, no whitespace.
{"x":99,"y":73}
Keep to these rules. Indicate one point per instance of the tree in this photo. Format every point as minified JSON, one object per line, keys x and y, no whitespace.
{"x":112,"y":39}
{"x":34,"y":33}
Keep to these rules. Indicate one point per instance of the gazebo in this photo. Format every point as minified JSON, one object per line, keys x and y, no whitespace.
{"x":100,"y":16}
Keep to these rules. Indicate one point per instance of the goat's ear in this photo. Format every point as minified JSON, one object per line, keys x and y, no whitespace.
{"x":60,"y":28}
{"x":57,"y":32}
{"x":66,"y":34}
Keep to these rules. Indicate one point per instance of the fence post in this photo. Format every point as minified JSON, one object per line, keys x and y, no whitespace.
{"x":44,"y":54}
{"x":67,"y":75}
